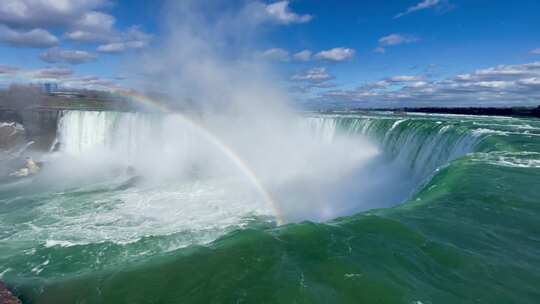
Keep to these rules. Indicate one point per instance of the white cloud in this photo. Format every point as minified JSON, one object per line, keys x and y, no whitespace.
{"x":120,"y":47}
{"x":530,"y":81}
{"x":501,"y":72}
{"x":398,"y":79}
{"x":535,"y":51}
{"x":56,"y":55}
{"x":281,"y":13}
{"x":335,"y":54}
{"x":116,"y":47}
{"x":93,"y":27}
{"x":393,"y":40}
{"x":88,"y":36}
{"x":45,"y":13}
{"x":132,"y":39}
{"x":501,"y":85}
{"x":99,"y":28}
{"x":388,"y":82}
{"x":79,"y":18}
{"x":96,"y":21}
{"x":90,"y":82}
{"x":137,"y":36}
{"x":276,"y":54}
{"x":63,"y":76}
{"x":304,"y":55}
{"x":50,"y":73}
{"x":425,"y":4}
{"x":35,"y":38}
{"x":315,"y":75}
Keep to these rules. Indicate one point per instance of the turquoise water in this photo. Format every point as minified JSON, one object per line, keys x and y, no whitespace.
{"x":465,"y":231}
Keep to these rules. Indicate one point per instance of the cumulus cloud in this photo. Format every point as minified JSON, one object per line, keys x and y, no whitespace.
{"x":112,"y":48}
{"x":132,"y":39}
{"x":535,"y":51}
{"x":120,"y":47}
{"x":81,"y":19}
{"x":336,"y":54}
{"x":35,"y":38}
{"x":388,"y":82}
{"x":425,"y":4}
{"x":45,"y":13}
{"x":57,"y":55}
{"x":281,"y":13}
{"x":333,"y":55}
{"x":111,"y":40}
{"x":393,"y":40}
{"x":96,"y":21}
{"x":93,"y":27}
{"x":314,"y":75}
{"x":310,"y":79}
{"x":64,"y":77}
{"x":50,"y":73}
{"x":501,"y":72}
{"x":503,"y":85}
{"x":401,"y":79}
{"x":275,"y":54}
{"x":91,"y":83}
{"x":88,"y":37}
{"x":304,"y":55}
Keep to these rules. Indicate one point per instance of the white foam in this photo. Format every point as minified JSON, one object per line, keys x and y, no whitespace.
{"x":200,"y":211}
{"x":54,"y":243}
{"x":524,"y":159}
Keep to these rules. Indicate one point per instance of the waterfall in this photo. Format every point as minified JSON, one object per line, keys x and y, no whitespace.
{"x":422,"y":145}
{"x":86,"y":131}
{"x":339,"y":166}
{"x":156,"y":143}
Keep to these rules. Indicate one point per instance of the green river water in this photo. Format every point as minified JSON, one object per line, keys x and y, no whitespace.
{"x":468,"y":230}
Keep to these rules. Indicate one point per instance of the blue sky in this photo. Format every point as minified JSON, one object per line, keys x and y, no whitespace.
{"x":354,"y":52}
{"x":464,"y":36}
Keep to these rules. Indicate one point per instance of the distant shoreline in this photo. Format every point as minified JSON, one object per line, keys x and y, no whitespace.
{"x":485,"y":111}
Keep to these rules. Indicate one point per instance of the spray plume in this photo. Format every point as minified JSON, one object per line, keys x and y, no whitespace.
{"x":205,"y":62}
{"x":206,"y":57}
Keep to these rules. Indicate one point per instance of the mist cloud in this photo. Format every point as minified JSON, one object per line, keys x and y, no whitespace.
{"x":205,"y":60}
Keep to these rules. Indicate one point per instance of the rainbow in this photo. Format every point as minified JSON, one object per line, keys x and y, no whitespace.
{"x":212,"y":139}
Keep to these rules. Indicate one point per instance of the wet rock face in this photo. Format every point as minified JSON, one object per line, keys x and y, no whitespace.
{"x":12,"y":135}
{"x":6,"y":297}
{"x":40,"y":127}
